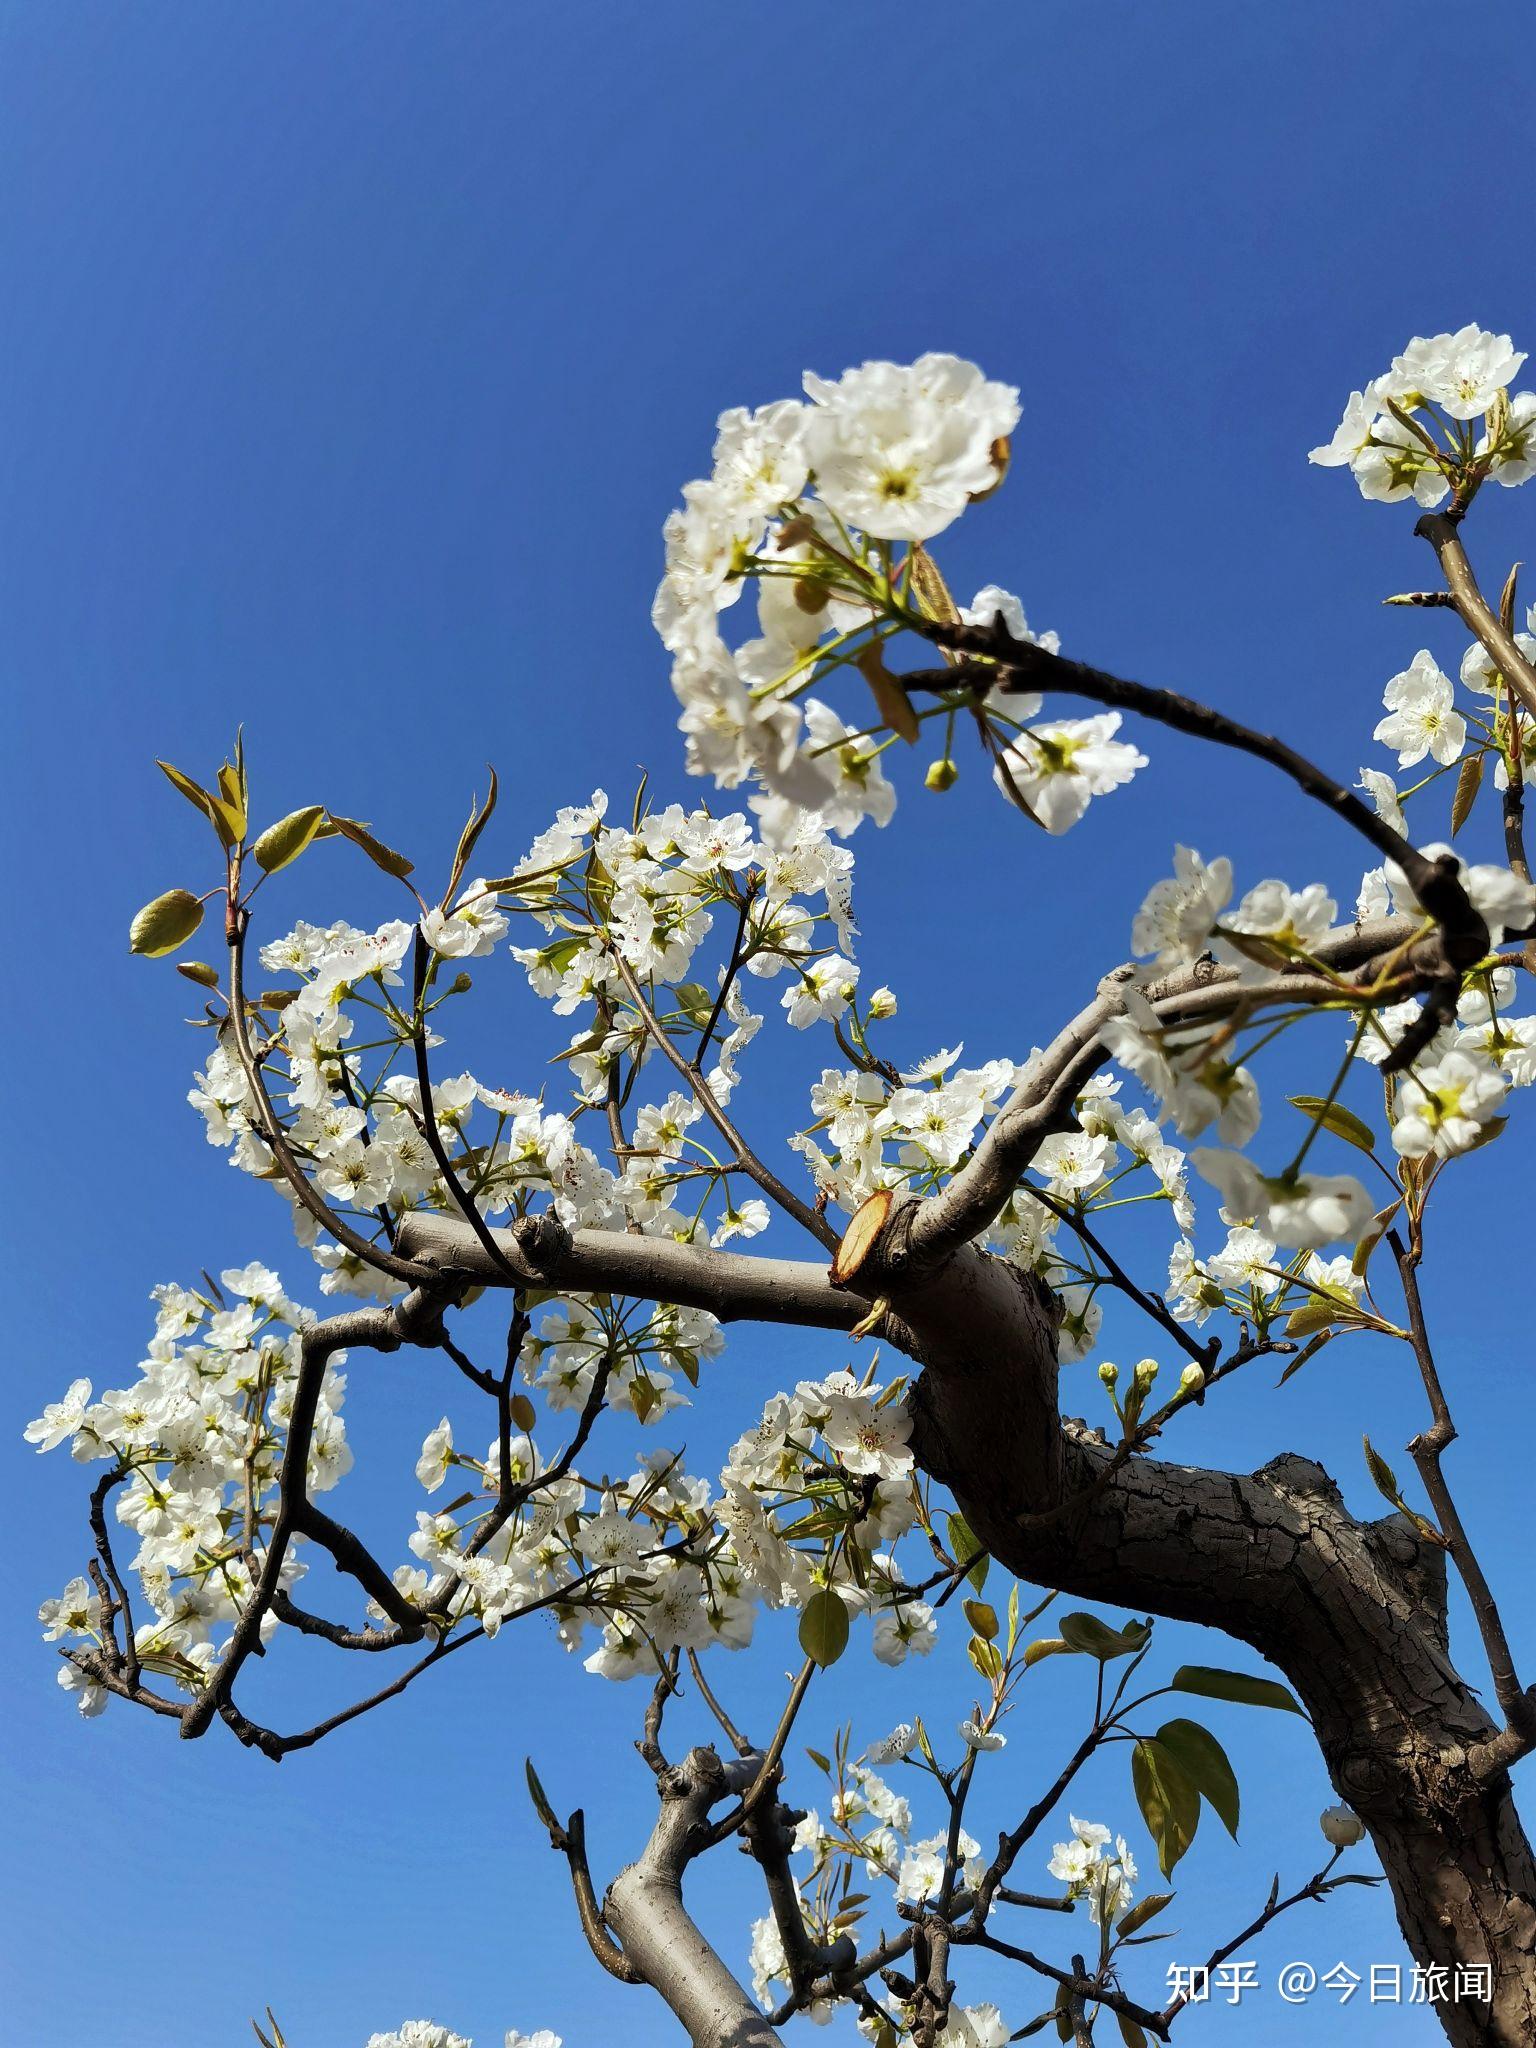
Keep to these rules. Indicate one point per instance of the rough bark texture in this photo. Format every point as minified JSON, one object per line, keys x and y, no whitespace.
{"x":1353,"y":1613}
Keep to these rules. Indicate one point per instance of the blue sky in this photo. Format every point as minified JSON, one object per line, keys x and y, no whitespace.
{"x":354,"y":354}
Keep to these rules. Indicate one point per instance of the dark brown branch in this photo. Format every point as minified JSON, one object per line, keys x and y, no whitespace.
{"x":1518,"y":1706}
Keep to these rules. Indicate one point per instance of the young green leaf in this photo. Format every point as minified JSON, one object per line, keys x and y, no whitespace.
{"x":1130,"y":2033}
{"x":1214,"y":1684}
{"x":1087,"y":1633}
{"x":200,"y":972}
{"x":287,"y":839}
{"x":1170,"y":1804}
{"x":1333,"y":1116}
{"x":1140,"y":1914}
{"x":1204,"y":1762}
{"x":824,"y":1627}
{"x":165,"y":924}
{"x":1468,"y":783}
{"x":1381,"y":1472}
{"x":381,"y":855}
{"x":981,"y":1617}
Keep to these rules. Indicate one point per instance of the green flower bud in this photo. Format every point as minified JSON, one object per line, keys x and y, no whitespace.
{"x":941,"y":775}
{"x":1108,"y":1373}
{"x":1191,"y":1379}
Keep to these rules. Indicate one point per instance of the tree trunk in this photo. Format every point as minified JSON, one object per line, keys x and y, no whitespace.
{"x":1353,"y":1613}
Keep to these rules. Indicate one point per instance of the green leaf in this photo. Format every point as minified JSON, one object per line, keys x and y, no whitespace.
{"x":1130,"y":2033}
{"x":1214,"y":1684}
{"x":695,"y":1002}
{"x":194,"y":792}
{"x":1313,"y":1315}
{"x":821,"y":1762}
{"x":200,"y":972}
{"x":965,"y":1549}
{"x":165,"y":924}
{"x":478,"y":820}
{"x":824,"y":1628}
{"x":1170,"y":1804}
{"x":1204,"y":1762}
{"x":1382,"y":1474}
{"x":1087,"y":1633}
{"x":1333,"y":1116}
{"x":231,"y":798}
{"x":981,"y":1617}
{"x":287,"y":839}
{"x":381,"y":855}
{"x":1139,"y":1915}
{"x":1468,"y":783}
{"x":1044,"y":1646}
{"x":987,"y":1658}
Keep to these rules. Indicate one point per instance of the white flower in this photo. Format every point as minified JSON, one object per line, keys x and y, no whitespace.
{"x":899,"y":450}
{"x":1055,"y":769}
{"x":1514,"y":459}
{"x":902,"y":1630}
{"x":1353,"y":433}
{"x":1305,"y":1210}
{"x":1500,"y":898}
{"x":868,"y":1439}
{"x":901,"y":1742}
{"x":1072,"y":1161}
{"x":436,"y":1456}
{"x":1442,"y":1109}
{"x":1479,"y":670}
{"x":1177,"y":917}
{"x":1461,"y":372}
{"x":974,"y":1736}
{"x":60,"y":1418}
{"x":1422,"y":720}
{"x":1245,"y":1261}
{"x":824,"y":991}
{"x":1341,"y":1826}
{"x":1382,"y":791}
{"x":973,"y":2026}
{"x":544,"y":2038}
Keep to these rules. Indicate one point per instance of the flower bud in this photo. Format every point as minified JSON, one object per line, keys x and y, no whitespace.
{"x":882,"y":1003}
{"x":941,"y":775}
{"x":1146,"y":1373}
{"x":461,"y":985}
{"x":1341,"y":1826}
{"x":1192,"y":1379}
{"x":1108,"y":1373}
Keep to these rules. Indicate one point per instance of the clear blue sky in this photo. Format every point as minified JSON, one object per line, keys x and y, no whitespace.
{"x":353,"y":354}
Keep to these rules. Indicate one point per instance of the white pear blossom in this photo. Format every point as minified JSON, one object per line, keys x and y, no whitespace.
{"x":1421,"y":718}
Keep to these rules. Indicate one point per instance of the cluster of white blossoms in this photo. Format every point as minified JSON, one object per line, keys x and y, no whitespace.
{"x":1424,"y":722}
{"x":428,"y":2034}
{"x":875,"y":1128}
{"x":827,"y":506}
{"x":1441,"y":419}
{"x":1092,"y":1870}
{"x":1195,"y":1072}
{"x":811,"y":1504}
{"x":812,"y":1499}
{"x":622,"y":915}
{"x":198,"y":1441}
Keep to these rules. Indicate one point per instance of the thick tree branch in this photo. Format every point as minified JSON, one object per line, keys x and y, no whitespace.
{"x":734,"y":1286}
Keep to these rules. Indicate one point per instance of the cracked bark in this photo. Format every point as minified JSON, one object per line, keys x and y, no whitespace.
{"x":1353,"y":1613}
